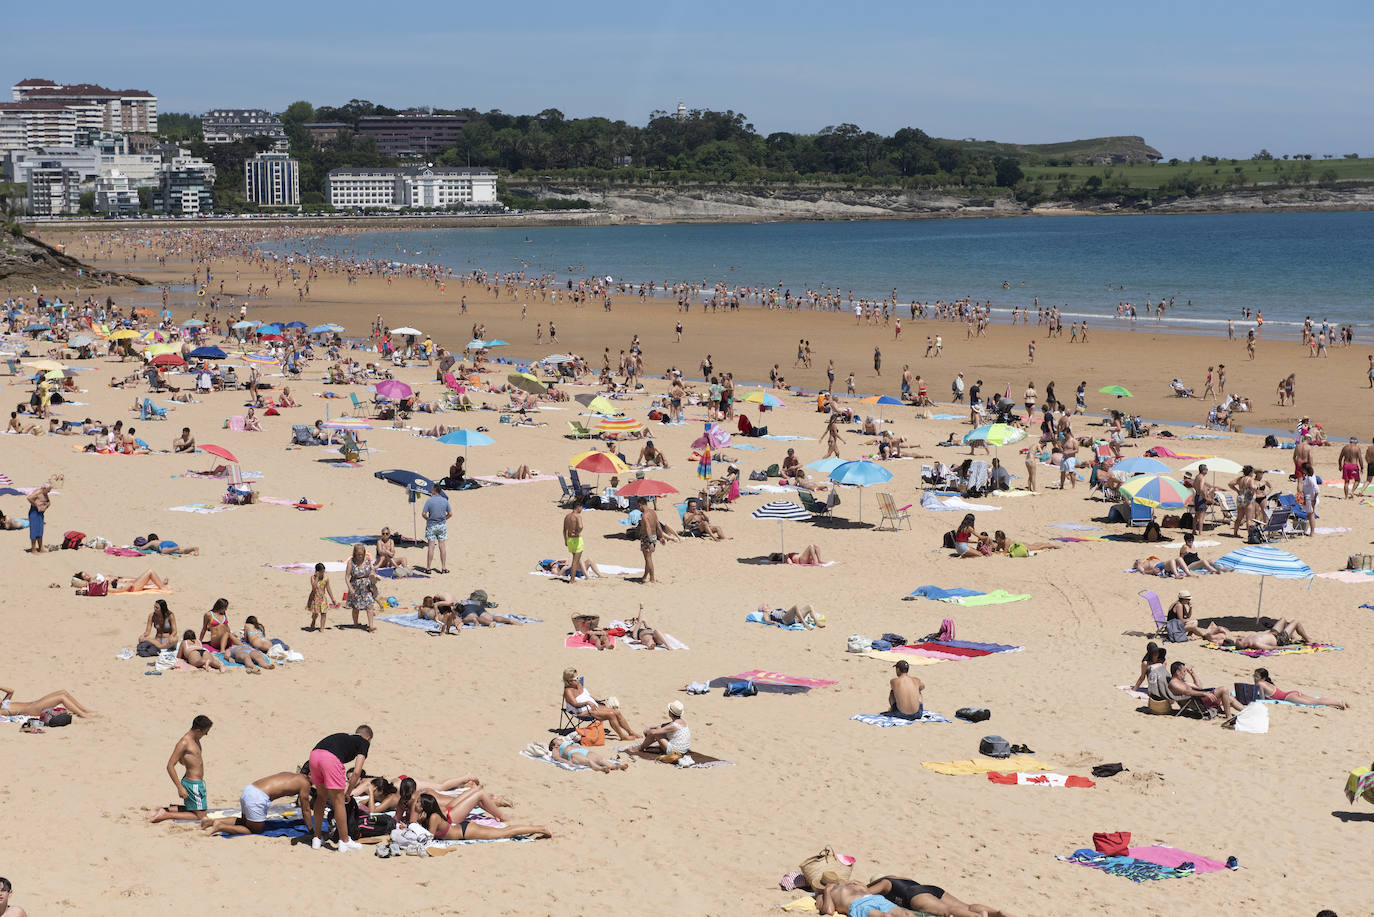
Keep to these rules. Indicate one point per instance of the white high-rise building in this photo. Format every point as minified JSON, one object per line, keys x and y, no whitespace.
{"x":54,"y":190}
{"x":115,"y":195}
{"x":418,"y":186}
{"x":273,"y":180}
{"x":130,"y":111}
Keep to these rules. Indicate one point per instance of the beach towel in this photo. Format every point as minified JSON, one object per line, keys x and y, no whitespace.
{"x":202,"y":508}
{"x":887,"y":722}
{"x":294,"y":827}
{"x":948,"y":417}
{"x":759,"y":676}
{"x":123,"y":552}
{"x":498,"y":479}
{"x":761,"y":687}
{"x":1205,"y":436}
{"x":1348,"y":576}
{"x":330,"y":566}
{"x":406,"y":572}
{"x":1020,"y":778}
{"x":549,"y":759}
{"x":282,"y":501}
{"x":606,"y":570}
{"x":779,"y":437}
{"x":995,"y":597}
{"x":413,"y":620}
{"x":1164,"y":855}
{"x":1292,"y":649}
{"x":673,"y":642}
{"x":697,"y":759}
{"x":1360,"y":784}
{"x":937,"y":593}
{"x":352,"y":539}
{"x":1125,"y":867}
{"x":756,"y":617}
{"x":969,"y":766}
{"x":236,"y":423}
{"x":892,"y":656}
{"x":1075,"y":526}
{"x":583,"y":642}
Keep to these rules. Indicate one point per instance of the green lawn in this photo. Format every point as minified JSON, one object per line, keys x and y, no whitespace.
{"x":1150,"y":176}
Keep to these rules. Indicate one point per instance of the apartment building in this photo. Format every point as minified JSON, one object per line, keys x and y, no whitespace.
{"x":412,"y":135}
{"x":272,"y":180}
{"x":124,"y":110}
{"x":416,"y":186}
{"x":54,"y":190}
{"x":115,"y":195}
{"x":227,"y":125}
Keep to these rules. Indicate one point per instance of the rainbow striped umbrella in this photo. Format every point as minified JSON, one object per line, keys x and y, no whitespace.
{"x":704,"y":463}
{"x":618,"y":426}
{"x":1156,"y":490}
{"x":763,"y":398}
{"x":261,"y":359}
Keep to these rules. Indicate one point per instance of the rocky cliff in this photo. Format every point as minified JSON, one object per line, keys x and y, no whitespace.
{"x":25,"y":261}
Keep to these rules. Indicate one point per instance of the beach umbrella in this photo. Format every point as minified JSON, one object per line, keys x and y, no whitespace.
{"x":144,"y":312}
{"x":270,"y":328}
{"x":407,"y":330}
{"x":617,"y":426}
{"x":647,"y":487}
{"x":81,"y":340}
{"x":244,"y":324}
{"x":5,"y":480}
{"x":44,"y":365}
{"x":261,"y":359}
{"x":415,"y":484}
{"x":209,"y":353}
{"x":271,"y":337}
{"x":393,"y":389}
{"x":1119,"y":391}
{"x":782,"y":511}
{"x":556,"y":358}
{"x":763,"y":398}
{"x":1156,"y":490}
{"x":826,"y":465}
{"x":596,"y":462}
{"x":153,"y":350}
{"x":1214,"y":465}
{"x":597,"y":404}
{"x":219,"y":451}
{"x":880,"y":401}
{"x":167,"y":359}
{"x":123,"y":334}
{"x":466,"y":438}
{"x":55,"y":374}
{"x":152,"y":337}
{"x":527,"y":383}
{"x":1141,"y":464}
{"x":346,"y":423}
{"x":704,"y":464}
{"x":997,"y":434}
{"x":498,"y":343}
{"x":37,"y":327}
{"x":716,"y":436}
{"x":294,"y":326}
{"x":193,"y":323}
{"x":326,"y":328}
{"x":860,"y":474}
{"x":1264,"y":561}
{"x":475,"y":344}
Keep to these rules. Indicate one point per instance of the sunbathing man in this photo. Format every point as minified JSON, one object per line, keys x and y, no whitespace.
{"x":255,"y":800}
{"x":1282,"y":633}
{"x":1213,"y":698}
{"x":853,"y":898}
{"x":568,"y":749}
{"x":1153,"y":566}
{"x":696,"y":520}
{"x":928,"y":899}
{"x":652,"y":455}
{"x":560,"y":568}
{"x":809,"y":556}
{"x":473,"y":611}
{"x":904,"y":693}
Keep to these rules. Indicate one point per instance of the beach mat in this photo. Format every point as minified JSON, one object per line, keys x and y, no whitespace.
{"x":583,"y":642}
{"x":995,"y":597}
{"x":1021,"y":778}
{"x":1290,"y":650}
{"x":937,"y":593}
{"x":498,"y":479}
{"x":887,"y":722}
{"x":415,"y":622}
{"x":761,"y":687}
{"x":547,"y":759}
{"x":755,"y":617}
{"x":698,"y":759}
{"x":969,"y":766}
{"x":759,"y":676}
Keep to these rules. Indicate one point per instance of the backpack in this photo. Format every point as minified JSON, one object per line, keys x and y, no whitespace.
{"x":858,"y":643}
{"x":56,"y":716}
{"x":1152,"y":532}
{"x":995,"y":747}
{"x":949,"y":540}
{"x":72,"y":540}
{"x":973,"y":714}
{"x":1176,"y":631}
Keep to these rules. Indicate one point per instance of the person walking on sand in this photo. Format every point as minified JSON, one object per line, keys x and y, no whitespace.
{"x":648,"y":541}
{"x":39,"y":501}
{"x":1351,"y":465}
{"x":437,"y":513}
{"x":321,"y":598}
{"x":1032,"y":459}
{"x":832,"y":437}
{"x":191,"y":786}
{"x":877,"y":361}
{"x":572,"y":537}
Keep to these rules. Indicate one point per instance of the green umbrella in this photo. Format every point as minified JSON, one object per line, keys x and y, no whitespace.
{"x":1119,"y":391}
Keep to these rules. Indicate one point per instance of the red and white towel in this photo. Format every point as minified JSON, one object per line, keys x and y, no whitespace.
{"x":1020,"y":778}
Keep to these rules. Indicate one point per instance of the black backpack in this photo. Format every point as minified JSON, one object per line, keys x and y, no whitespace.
{"x":995,"y":747}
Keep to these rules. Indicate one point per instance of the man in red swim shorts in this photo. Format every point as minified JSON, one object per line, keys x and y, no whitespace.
{"x":1351,"y":462}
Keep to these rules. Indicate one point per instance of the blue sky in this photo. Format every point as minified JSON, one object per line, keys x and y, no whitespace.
{"x":1192,"y":78}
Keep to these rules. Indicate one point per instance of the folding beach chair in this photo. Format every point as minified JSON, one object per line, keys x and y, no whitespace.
{"x":1297,"y":515}
{"x":1156,"y":611}
{"x":689,"y":531}
{"x":353,"y":446}
{"x":892,"y":512}
{"x":578,"y":431}
{"x":1225,"y":507}
{"x":813,"y":506}
{"x":583,"y":491}
{"x":568,"y":496}
{"x":301,"y":436}
{"x":568,"y":718}
{"x":1141,"y":514}
{"x":153,"y":383}
{"x":150,"y":411}
{"x":357,"y":405}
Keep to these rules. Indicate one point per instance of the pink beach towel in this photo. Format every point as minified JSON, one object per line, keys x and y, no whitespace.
{"x":1164,"y":855}
{"x":777,"y":678}
{"x":583,"y":642}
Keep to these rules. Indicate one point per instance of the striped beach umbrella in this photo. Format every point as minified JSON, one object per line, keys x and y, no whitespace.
{"x":1141,"y":464}
{"x":618,"y":426}
{"x":782,"y":511}
{"x":346,"y":423}
{"x":704,"y":463}
{"x":763,"y":398}
{"x":1264,"y":561}
{"x":997,"y":434}
{"x":5,"y":480}
{"x":1156,"y":490}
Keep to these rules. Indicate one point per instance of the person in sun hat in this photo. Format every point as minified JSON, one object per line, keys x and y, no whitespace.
{"x":673,"y":739}
{"x":904,"y":698}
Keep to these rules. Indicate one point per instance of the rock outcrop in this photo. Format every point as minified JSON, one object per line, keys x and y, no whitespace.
{"x":25,"y":261}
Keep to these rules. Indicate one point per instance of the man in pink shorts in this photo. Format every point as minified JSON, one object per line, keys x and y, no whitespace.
{"x":328,"y":774}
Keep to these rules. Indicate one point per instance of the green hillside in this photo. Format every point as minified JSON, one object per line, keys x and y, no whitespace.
{"x":1096,"y":151}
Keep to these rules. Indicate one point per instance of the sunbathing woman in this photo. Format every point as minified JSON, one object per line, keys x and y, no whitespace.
{"x":580,"y":701}
{"x":285,"y":400}
{"x":519,"y":473}
{"x":255,"y":635}
{"x":1001,"y":544}
{"x":165,"y":546}
{"x":11,"y":707}
{"x":450,"y":826}
{"x":216,"y":623}
{"x":386,"y":551}
{"x":1187,"y":554}
{"x":1153,"y":566}
{"x":195,"y":655}
{"x":644,"y":633}
{"x":809,"y":556}
{"x":560,"y":568}
{"x":804,"y":615}
{"x":1267,"y":689}
{"x":161,"y":629}
{"x":253,"y":660}
{"x":567,"y":749}
{"x":10,"y":523}
{"x":404,"y":797}
{"x":145,"y":580}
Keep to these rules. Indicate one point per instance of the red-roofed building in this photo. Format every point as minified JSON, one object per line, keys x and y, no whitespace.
{"x":122,"y":110}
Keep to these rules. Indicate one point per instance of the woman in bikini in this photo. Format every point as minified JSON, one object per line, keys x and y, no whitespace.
{"x":255,"y":635}
{"x":580,"y":701}
{"x":193,"y":652}
{"x":253,"y":660}
{"x":644,"y":633}
{"x":161,"y":629}
{"x":1265,"y":685}
{"x":567,"y":749}
{"x":805,"y":615}
{"x":809,"y":556}
{"x":1001,"y":544}
{"x":11,"y":707}
{"x":216,"y":623}
{"x":1153,"y":566}
{"x":145,"y":580}
{"x":450,"y":825}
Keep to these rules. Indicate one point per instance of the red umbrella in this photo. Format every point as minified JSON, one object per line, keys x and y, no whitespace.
{"x":221,"y":452}
{"x":271,"y":337}
{"x":646,"y":488}
{"x":168,"y":359}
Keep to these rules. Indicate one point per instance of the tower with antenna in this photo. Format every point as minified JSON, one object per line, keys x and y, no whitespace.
{"x":681,"y":111}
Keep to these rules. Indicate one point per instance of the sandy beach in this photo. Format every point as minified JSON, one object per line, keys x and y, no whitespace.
{"x":804,"y":775}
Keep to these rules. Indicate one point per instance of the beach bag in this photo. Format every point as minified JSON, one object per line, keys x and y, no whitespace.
{"x":147,"y":648}
{"x":1176,"y":631}
{"x":1018,"y":549}
{"x":994,"y":747}
{"x":757,"y":476}
{"x":741,"y":689}
{"x":591,"y":734}
{"x":973,"y":714}
{"x":1254,"y":718}
{"x":1254,"y":535}
{"x":56,"y":716}
{"x":827,"y":861}
{"x":895,"y":639}
{"x":100,"y":588}
{"x":1112,"y":844}
{"x":1185,"y":521}
{"x":948,"y":542}
{"x":1152,"y":532}
{"x":881,"y":645}
{"x":858,"y":643}
{"x":72,"y":540}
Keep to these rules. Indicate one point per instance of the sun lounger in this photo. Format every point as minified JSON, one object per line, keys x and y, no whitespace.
{"x":578,"y":431}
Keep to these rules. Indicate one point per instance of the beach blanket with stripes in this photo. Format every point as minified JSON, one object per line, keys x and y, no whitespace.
{"x":413,"y":620}
{"x":887,"y":722}
{"x":1291,"y":649}
{"x":1021,"y":778}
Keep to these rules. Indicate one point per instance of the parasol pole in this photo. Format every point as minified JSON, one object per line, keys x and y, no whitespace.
{"x":1260,"y":607}
{"x":782,"y":536}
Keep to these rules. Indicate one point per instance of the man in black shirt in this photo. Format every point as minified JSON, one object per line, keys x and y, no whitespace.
{"x":329,"y":774}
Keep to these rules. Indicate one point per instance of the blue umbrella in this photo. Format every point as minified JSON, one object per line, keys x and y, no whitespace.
{"x":244,"y":324}
{"x":475,"y":344}
{"x":826,"y":465}
{"x":1142,"y":464}
{"x":498,"y":343}
{"x":888,"y":399}
{"x":36,"y":327}
{"x":270,"y":328}
{"x":466,"y":438}
{"x":326,"y":328}
{"x":860,"y":474}
{"x":782,"y":511}
{"x":300,"y":326}
{"x":192,"y":323}
{"x":209,"y":353}
{"x":1265,"y":561}
{"x":416,"y":485}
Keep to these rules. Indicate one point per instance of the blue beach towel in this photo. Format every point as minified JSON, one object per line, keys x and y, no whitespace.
{"x":887,"y":722}
{"x":936,"y":593}
{"x":756,"y":617}
{"x":787,"y":438}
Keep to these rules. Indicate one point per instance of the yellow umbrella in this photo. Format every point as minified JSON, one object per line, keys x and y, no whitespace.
{"x":123,"y":334}
{"x":602,"y":405}
{"x":527,"y":383}
{"x":153,"y":350}
{"x":54,"y":374}
{"x":45,"y":365}
{"x":598,"y":462}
